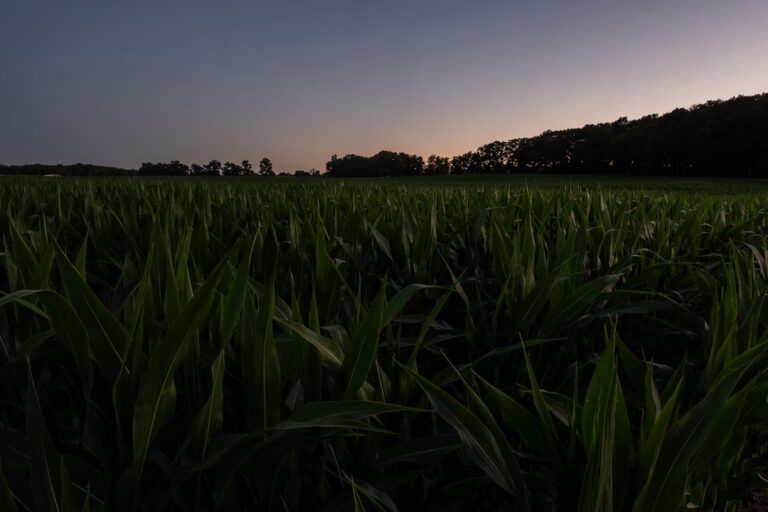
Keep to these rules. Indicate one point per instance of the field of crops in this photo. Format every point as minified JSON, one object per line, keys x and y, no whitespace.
{"x":373,"y":345}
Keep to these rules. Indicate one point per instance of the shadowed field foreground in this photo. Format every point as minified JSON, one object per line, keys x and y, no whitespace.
{"x":327,"y":345}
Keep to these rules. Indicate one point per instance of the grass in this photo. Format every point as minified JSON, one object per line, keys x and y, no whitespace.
{"x":289,"y":344}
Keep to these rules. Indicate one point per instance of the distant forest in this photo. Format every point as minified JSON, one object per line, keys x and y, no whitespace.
{"x":717,"y":138}
{"x":65,"y":170}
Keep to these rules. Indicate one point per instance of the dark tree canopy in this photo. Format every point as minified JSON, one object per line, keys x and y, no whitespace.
{"x":265,"y":167}
{"x":65,"y":170}
{"x":231,"y":169}
{"x":717,"y":138}
{"x":383,"y":163}
{"x":175,"y":168}
{"x":437,"y":166}
{"x":302,"y":172}
{"x":212,"y":168}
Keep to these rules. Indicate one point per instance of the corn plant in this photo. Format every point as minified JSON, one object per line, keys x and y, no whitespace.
{"x":334,"y":345}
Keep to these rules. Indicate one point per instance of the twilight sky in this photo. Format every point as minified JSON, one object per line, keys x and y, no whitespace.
{"x":118,"y":83}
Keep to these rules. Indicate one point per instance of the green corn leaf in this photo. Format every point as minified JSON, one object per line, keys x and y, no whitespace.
{"x":534,"y":302}
{"x":82,"y":255}
{"x":233,"y":303}
{"x":328,"y":349}
{"x":45,"y":464}
{"x":67,"y":326}
{"x":375,"y":497}
{"x":171,"y":298}
{"x":363,"y":348}
{"x":400,"y":300}
{"x":577,"y":302}
{"x":156,"y":395}
{"x":514,"y":414}
{"x":211,"y":417}
{"x":107,"y":336}
{"x":25,"y":258}
{"x":381,"y":241}
{"x":338,"y":414}
{"x":308,"y":366}
{"x":479,"y":442}
{"x":542,"y":410}
{"x":651,"y":446}
{"x":666,"y":488}
{"x":17,"y":296}
{"x":42,"y":276}
{"x":261,"y":366}
{"x":598,"y":398}
{"x":485,"y":415}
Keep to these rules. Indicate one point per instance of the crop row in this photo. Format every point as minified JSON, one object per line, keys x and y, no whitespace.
{"x":333,"y":345}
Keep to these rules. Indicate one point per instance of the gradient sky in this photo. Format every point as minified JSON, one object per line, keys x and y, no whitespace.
{"x":118,"y":83}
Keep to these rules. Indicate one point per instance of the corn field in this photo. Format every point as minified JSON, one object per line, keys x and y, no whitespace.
{"x":330,"y":345}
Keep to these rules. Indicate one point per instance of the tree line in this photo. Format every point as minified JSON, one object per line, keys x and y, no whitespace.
{"x":383,"y":163}
{"x":716,"y":138}
{"x":212,"y":168}
{"x":64,"y":170}
{"x":172,"y":168}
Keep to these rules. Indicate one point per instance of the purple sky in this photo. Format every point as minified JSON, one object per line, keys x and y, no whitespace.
{"x":119,"y":83}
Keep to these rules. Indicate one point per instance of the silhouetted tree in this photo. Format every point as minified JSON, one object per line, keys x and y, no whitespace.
{"x":265,"y":167}
{"x":492,"y":158}
{"x":175,"y":168}
{"x":717,"y":138}
{"x":212,"y":168}
{"x":437,"y":166}
{"x":65,"y":170}
{"x":463,"y":164}
{"x":383,"y":163}
{"x":231,"y":169}
{"x":311,"y":172}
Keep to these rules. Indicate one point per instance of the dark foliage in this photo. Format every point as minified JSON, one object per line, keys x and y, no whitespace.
{"x":302,"y":172}
{"x":383,"y":163}
{"x":437,"y":166}
{"x":717,"y":138}
{"x":265,"y":167}
{"x":175,"y":168}
{"x":64,"y":170}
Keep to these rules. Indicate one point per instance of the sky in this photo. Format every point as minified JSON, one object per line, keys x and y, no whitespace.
{"x":120,"y":83}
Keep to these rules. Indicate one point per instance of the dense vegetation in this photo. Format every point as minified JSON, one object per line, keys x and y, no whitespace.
{"x":383,"y":163}
{"x":717,"y":138}
{"x":331,"y":345}
{"x":64,"y":170}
